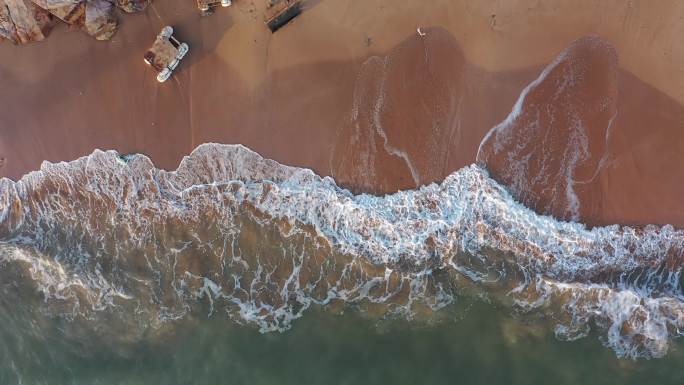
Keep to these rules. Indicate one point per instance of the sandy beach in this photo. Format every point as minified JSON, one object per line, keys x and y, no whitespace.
{"x":391,"y":191}
{"x":354,"y":90}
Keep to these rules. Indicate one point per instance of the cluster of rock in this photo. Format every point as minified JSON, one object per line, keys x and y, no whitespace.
{"x":24,"y":21}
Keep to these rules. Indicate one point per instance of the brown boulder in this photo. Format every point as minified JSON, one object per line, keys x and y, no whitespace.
{"x":100,"y":20}
{"x":22,"y":22}
{"x":69,"y":11}
{"x":131,"y":6}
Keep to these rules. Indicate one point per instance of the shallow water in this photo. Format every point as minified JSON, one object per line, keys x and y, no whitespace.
{"x":481,"y":346}
{"x":110,"y":267}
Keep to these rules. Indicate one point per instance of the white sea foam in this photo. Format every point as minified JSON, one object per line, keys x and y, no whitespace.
{"x":122,"y":230}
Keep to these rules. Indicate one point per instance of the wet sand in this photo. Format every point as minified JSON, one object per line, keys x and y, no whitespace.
{"x":590,"y":142}
{"x":351,"y":90}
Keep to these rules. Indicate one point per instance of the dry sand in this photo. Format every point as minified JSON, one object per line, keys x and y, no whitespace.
{"x":351,"y":89}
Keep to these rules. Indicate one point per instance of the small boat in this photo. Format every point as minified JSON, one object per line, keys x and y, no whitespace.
{"x":280,"y":12}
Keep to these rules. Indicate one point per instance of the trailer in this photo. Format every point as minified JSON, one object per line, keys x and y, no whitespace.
{"x":165,"y":54}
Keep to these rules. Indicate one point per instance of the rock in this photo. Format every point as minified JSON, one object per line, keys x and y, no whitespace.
{"x":131,"y":6}
{"x":95,"y":17}
{"x":22,"y":22}
{"x":70,"y":11}
{"x":100,"y":20}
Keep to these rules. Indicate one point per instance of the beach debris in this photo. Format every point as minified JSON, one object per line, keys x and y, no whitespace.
{"x":25,"y":21}
{"x":420,"y":32}
{"x":280,"y":12}
{"x":165,"y":53}
{"x":207,"y":7}
{"x":21,"y":21}
{"x":132,"y":6}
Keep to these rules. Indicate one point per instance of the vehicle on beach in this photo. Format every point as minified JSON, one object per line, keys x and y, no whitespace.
{"x":165,"y":54}
{"x":207,"y":7}
{"x":280,"y":12}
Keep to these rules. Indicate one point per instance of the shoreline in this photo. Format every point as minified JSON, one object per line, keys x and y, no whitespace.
{"x":302,"y":95}
{"x":227,"y":214}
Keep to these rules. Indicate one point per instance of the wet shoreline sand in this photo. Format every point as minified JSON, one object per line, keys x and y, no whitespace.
{"x":292,"y":96}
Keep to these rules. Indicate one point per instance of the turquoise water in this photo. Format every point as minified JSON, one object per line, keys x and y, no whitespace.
{"x":482,"y":346}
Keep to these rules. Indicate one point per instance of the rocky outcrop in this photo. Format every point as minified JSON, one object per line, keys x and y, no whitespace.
{"x":24,"y":21}
{"x":100,"y":21}
{"x":131,"y":6}
{"x":21,"y":21}
{"x":69,"y":11}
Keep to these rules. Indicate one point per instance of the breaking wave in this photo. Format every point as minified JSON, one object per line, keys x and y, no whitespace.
{"x":119,"y":249}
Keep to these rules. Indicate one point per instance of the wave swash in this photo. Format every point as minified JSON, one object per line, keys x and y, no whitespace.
{"x":116,"y":248}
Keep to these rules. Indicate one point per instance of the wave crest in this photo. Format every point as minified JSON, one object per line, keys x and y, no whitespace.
{"x":111,"y":239}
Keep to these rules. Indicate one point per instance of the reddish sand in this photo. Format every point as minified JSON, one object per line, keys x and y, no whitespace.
{"x":101,"y":95}
{"x":417,"y":114}
{"x":351,"y":89}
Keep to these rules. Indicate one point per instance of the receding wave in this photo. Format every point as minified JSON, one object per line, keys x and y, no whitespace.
{"x":117,"y":248}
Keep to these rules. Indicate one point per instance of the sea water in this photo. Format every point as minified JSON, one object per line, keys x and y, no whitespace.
{"x":237,"y":269}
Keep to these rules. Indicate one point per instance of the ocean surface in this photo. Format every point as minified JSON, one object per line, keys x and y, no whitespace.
{"x":237,"y":269}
